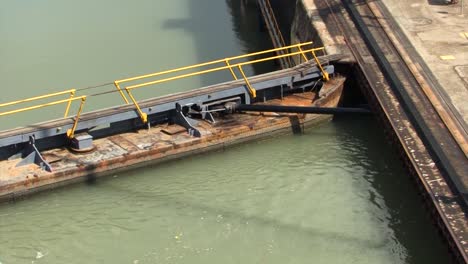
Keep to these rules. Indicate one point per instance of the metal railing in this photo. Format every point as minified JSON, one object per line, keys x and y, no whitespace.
{"x":214,"y":66}
{"x":274,"y":31}
{"x":71,"y":132}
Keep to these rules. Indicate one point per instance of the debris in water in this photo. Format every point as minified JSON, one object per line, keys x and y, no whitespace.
{"x":39,"y":255}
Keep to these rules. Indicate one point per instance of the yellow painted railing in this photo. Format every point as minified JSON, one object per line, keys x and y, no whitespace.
{"x":147,"y":80}
{"x":226,"y":64}
{"x":27,"y":100}
{"x":70,"y":132}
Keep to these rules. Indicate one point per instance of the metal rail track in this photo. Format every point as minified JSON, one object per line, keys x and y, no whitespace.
{"x":419,"y":108}
{"x":274,"y":31}
{"x":412,"y":117}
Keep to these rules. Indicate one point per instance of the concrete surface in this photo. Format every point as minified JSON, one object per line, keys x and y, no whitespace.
{"x":439,"y":32}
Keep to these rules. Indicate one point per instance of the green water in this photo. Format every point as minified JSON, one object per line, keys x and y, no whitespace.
{"x":336,"y":194}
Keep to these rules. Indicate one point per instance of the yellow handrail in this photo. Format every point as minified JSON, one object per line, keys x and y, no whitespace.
{"x":230,"y":69}
{"x":37,"y":106}
{"x":210,"y":63}
{"x":36,"y":98}
{"x":227,"y":65}
{"x":69,"y":100}
{"x":117,"y":85}
{"x":303,"y":54}
{"x":71,"y":92}
{"x":252,"y":91}
{"x":219,"y":69}
{"x":143,"y":116}
{"x":324,"y":73}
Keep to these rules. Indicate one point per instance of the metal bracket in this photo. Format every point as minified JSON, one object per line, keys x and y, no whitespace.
{"x":186,"y":122}
{"x":206,"y":110}
{"x":31,"y":155}
{"x":206,"y":114}
{"x":291,"y":83}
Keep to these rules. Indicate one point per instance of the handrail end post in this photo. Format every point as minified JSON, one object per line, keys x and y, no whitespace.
{"x":326,"y":76}
{"x":116,"y":84}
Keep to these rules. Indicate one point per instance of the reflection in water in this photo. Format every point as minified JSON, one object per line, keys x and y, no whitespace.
{"x":336,"y":194}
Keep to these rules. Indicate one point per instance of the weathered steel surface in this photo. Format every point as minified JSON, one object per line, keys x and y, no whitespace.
{"x":127,"y":150}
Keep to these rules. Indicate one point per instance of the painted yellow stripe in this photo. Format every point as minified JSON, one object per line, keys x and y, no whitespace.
{"x":447,"y":57}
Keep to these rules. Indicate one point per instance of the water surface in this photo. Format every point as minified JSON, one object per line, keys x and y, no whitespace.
{"x":332,"y":195}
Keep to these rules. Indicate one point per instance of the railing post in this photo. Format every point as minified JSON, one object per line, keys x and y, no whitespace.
{"x":72,"y":94}
{"x":302,"y":53}
{"x":120,"y":91}
{"x":230,"y":69}
{"x":143,"y":116}
{"x":71,"y":132}
{"x":252,"y":91}
{"x":324,"y":73}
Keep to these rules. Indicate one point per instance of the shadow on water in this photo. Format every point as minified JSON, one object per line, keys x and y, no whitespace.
{"x":393,"y":188}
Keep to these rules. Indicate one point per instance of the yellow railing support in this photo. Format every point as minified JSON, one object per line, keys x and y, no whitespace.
{"x":117,"y":85}
{"x":324,"y":73}
{"x":211,"y":63}
{"x":72,"y":94}
{"x":252,"y":91}
{"x":302,"y":53}
{"x":71,"y":132}
{"x":230,"y":69}
{"x":143,"y":116}
{"x":217,"y":69}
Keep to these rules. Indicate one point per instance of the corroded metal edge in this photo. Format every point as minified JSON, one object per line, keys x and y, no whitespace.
{"x":74,"y":167}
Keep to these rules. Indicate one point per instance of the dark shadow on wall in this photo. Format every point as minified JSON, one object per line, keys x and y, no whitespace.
{"x":284,"y":13}
{"x":223,"y":29}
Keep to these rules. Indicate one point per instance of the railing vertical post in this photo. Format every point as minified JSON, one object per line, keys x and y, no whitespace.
{"x":143,"y":116}
{"x":120,"y":91}
{"x":324,"y":73}
{"x":230,"y":69}
{"x":252,"y":91}
{"x":71,"y":132}
{"x":302,"y":53}
{"x":72,"y":94}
